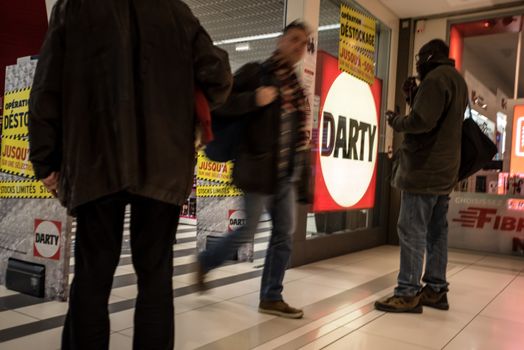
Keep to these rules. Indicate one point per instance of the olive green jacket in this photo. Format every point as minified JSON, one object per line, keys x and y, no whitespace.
{"x":428,"y":160}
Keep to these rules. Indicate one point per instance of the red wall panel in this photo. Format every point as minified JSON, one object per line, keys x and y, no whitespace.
{"x":23,"y":24}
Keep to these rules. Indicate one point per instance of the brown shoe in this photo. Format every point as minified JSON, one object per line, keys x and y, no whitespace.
{"x":400,"y":304}
{"x":279,"y":308}
{"x":437,"y":300}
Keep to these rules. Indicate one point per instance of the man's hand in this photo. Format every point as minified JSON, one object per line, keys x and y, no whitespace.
{"x":266,"y":95}
{"x":390,"y":117}
{"x":51,"y":182}
{"x":409,"y":87}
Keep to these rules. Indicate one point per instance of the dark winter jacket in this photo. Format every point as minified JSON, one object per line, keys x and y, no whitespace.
{"x":429,"y":158}
{"x":112,"y":105}
{"x":256,"y":163}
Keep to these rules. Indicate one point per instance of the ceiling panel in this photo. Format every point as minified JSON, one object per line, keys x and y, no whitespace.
{"x":226,"y":19}
{"x":231,"y":19}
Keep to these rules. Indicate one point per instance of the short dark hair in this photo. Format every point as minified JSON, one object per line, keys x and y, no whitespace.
{"x":297,"y":24}
{"x":438,"y":48}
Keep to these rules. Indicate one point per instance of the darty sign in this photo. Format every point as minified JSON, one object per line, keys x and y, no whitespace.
{"x":47,"y":239}
{"x":347,"y":145}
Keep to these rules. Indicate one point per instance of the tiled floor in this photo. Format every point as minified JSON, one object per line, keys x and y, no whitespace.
{"x":486,"y":297}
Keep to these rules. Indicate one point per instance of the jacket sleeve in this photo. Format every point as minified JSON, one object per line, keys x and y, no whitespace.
{"x":430,"y":102}
{"x":212,"y":70}
{"x":45,"y":102}
{"x":243,"y":96}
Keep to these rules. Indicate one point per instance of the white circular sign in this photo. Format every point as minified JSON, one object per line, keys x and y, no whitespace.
{"x":237,"y":219}
{"x":348,"y":139}
{"x":47,"y":239}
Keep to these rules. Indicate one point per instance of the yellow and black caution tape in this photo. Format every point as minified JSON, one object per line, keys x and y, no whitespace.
{"x":24,"y":189}
{"x":16,"y":137}
{"x":16,"y":113}
{"x":14,"y":157}
{"x":213,"y":171}
{"x":218,"y":191}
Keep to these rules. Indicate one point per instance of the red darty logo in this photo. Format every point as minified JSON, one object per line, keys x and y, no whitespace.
{"x":237,"y":219}
{"x":348,"y":139}
{"x":47,"y":239}
{"x":481,"y":217}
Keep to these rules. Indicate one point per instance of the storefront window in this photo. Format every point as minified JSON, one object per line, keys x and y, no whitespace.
{"x":486,"y":211}
{"x":489,"y":59}
{"x":329,"y":214}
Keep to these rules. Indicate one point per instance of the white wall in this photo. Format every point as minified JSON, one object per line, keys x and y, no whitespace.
{"x":489,"y":77}
{"x":49,"y":6}
{"x":433,"y":29}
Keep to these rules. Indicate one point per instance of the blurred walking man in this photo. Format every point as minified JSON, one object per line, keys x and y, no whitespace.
{"x":269,"y":161}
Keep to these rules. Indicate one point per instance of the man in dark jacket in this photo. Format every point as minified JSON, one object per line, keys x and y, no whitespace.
{"x":266,"y":167}
{"x":111,"y":124}
{"x":426,"y":171}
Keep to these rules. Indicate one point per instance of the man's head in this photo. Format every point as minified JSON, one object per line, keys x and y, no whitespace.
{"x":292,"y":44}
{"x":430,"y":53}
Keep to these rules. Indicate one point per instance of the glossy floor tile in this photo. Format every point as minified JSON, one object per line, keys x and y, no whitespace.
{"x":337,"y":295}
{"x":485,"y":333}
{"x":360,"y":340}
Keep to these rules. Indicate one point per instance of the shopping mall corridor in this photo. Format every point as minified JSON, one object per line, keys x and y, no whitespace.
{"x":486,"y":298}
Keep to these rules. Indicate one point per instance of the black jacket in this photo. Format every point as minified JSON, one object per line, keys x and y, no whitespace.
{"x":112,"y":101}
{"x":429,"y":158}
{"x":256,"y":163}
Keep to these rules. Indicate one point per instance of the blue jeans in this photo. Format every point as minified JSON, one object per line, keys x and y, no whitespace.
{"x":422,"y":228}
{"x":281,"y":207}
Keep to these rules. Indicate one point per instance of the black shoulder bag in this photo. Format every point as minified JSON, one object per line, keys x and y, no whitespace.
{"x":228,"y":132}
{"x":477,"y":148}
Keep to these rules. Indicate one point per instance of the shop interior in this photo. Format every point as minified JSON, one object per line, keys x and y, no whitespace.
{"x":491,"y":63}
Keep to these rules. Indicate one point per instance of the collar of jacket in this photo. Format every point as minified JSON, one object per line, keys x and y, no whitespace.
{"x":444,"y":61}
{"x":437,"y":62}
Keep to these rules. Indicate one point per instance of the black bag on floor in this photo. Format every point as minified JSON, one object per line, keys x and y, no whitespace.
{"x":477,"y":148}
{"x":25,"y":277}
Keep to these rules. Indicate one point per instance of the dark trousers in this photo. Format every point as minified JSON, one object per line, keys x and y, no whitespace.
{"x":97,"y":252}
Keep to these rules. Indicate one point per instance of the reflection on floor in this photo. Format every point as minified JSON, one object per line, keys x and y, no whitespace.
{"x":486,"y":298}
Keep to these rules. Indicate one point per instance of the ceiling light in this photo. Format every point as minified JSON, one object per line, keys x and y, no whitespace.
{"x":247,"y":38}
{"x":489,"y":23}
{"x":479,"y":101}
{"x":329,"y":27}
{"x":242,"y":47}
{"x":268,"y":36}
